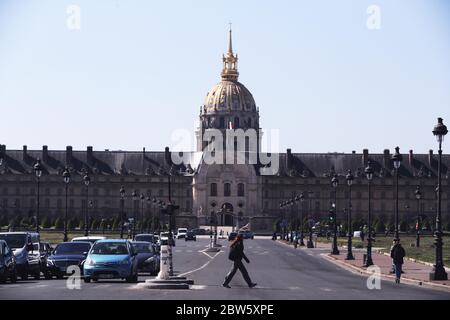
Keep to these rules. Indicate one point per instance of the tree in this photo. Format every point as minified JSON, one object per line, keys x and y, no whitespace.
{"x":25,"y":222}
{"x":3,"y":220}
{"x":380,"y":227}
{"x":115,"y":224}
{"x":404,"y":226}
{"x":71,"y":224}
{"x":447,"y":226}
{"x":103,"y":224}
{"x":59,"y":224}
{"x":81,"y":224}
{"x":46,"y":222}
{"x":94,"y":224}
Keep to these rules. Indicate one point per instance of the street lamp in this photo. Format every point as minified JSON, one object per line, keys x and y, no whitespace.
{"x":438,"y":272}
{"x":369,"y":175}
{"x":397,"y":160}
{"x":38,"y":171}
{"x":349,"y":177}
{"x":142,"y":212}
{"x":87,"y":181}
{"x":135,"y":197}
{"x":122,"y":213}
{"x":301,"y":198}
{"x":291,"y":218}
{"x":154,"y":202}
{"x":66,"y":177}
{"x":334,"y":184}
{"x":418,"y":195}
{"x":310,"y":243}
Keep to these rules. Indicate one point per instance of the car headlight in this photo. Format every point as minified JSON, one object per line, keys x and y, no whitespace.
{"x":89,"y":262}
{"x":151,"y":259}
{"x":50,"y":262}
{"x":126,"y":261}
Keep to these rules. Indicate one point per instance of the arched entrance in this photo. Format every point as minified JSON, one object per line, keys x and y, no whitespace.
{"x":227,"y":217}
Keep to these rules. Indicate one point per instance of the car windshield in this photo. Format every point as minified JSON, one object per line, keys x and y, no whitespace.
{"x":72,"y":248}
{"x":14,"y":241}
{"x":109,"y":248}
{"x":147,"y":238}
{"x":142,"y":247}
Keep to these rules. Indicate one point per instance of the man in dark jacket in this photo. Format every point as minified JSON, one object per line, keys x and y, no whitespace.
{"x":236,"y":255}
{"x":397,"y":255}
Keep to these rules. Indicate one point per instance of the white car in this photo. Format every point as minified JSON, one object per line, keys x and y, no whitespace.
{"x":181,"y":233}
{"x":92,"y":239}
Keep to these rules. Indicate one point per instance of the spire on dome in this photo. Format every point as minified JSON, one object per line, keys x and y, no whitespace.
{"x":229,"y":71}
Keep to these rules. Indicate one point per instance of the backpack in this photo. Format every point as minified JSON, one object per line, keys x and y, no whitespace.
{"x":233,"y":254}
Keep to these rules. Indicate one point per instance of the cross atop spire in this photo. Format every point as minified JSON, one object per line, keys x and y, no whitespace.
{"x":229,"y":71}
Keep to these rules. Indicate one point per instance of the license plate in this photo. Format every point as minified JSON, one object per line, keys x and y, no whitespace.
{"x":106,"y":276}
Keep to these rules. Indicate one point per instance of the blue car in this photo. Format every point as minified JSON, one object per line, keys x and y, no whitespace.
{"x":111,"y":259}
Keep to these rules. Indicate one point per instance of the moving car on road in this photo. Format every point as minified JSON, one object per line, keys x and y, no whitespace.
{"x":147,"y":256}
{"x":164,"y":239}
{"x":232,"y":236}
{"x":247,"y":234}
{"x":181,"y":233}
{"x":111,"y":259}
{"x":91,"y":239}
{"x":7,"y":263}
{"x":66,"y":254}
{"x":25,"y":246}
{"x":190,"y":235}
{"x":147,"y":237}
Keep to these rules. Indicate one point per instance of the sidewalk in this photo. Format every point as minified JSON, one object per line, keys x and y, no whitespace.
{"x":414,"y":272}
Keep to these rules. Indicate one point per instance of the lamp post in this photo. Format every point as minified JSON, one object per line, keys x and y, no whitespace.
{"x":66,"y":177}
{"x":418,"y":195}
{"x":142,"y":213}
{"x":369,"y":175}
{"x":122,"y":212}
{"x":149,"y":205}
{"x":38,"y":171}
{"x":291,"y":218}
{"x":135,"y":197}
{"x":310,"y":243}
{"x":301,"y":198}
{"x":349,"y":177}
{"x":334,"y":183}
{"x":87,"y":181}
{"x":154,"y":202}
{"x":397,"y":160}
{"x":438,"y":272}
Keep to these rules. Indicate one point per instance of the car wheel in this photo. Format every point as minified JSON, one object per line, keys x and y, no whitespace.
{"x":47,"y":276}
{"x":2,"y":279}
{"x":37,"y":276}
{"x":59,"y":276}
{"x":95,"y":279}
{"x":87,"y":280}
{"x":24,"y":276}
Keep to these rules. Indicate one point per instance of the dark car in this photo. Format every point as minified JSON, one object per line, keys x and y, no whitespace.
{"x":67,"y":254}
{"x":190,"y":235}
{"x":232,"y":236}
{"x":199,"y":231}
{"x":247,"y":234}
{"x":7,"y":263}
{"x":147,"y":237}
{"x":147,"y":256}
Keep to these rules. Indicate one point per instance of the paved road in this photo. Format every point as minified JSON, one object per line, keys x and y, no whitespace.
{"x":280,"y":271}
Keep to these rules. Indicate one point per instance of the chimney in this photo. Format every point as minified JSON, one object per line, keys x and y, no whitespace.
{"x":288,"y":159}
{"x":365,"y":157}
{"x":167,"y":156}
{"x":430,"y":157}
{"x":387,"y":159}
{"x":89,"y":156}
{"x":24,"y":153}
{"x":68,"y":155}
{"x":411,"y":158}
{"x":44,"y":153}
{"x":353,"y":152}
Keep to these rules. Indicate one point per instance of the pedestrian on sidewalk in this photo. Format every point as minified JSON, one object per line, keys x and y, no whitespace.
{"x":397,"y":255}
{"x":236,"y":255}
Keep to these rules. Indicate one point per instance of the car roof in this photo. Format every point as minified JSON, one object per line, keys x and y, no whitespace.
{"x":20,"y":232}
{"x":89,"y":238}
{"x":75,"y":242}
{"x":113,"y":240}
{"x":139,"y":242}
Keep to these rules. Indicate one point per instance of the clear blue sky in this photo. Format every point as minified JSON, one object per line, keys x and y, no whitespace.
{"x":139,"y":69}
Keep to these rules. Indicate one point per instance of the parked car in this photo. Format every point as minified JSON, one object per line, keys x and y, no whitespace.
{"x":25,"y":246}
{"x":164,"y":239}
{"x":247,"y":234}
{"x":147,"y":256}
{"x":8,"y":268}
{"x":190,"y":235}
{"x":148,"y":237}
{"x":181,"y":233}
{"x":91,"y":239}
{"x":111,"y":259}
{"x":232,"y":236}
{"x":66,"y":254}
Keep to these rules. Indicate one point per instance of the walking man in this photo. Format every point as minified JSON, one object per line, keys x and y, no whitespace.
{"x":236,"y":255}
{"x":397,"y":255}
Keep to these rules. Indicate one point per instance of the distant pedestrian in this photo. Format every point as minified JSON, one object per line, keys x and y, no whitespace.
{"x":397,"y":255}
{"x":236,"y":255}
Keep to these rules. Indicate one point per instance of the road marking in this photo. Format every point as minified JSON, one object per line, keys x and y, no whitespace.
{"x":178,"y":251}
{"x":326,"y":289}
{"x":289,"y":254}
{"x":197,"y":287}
{"x":188,"y":250}
{"x":39,"y":286}
{"x":203,"y":266}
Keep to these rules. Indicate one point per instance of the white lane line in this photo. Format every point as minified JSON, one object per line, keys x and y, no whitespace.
{"x":178,"y":251}
{"x":188,"y":250}
{"x":39,"y":286}
{"x":326,"y":289}
{"x":202,"y":267}
{"x":289,"y":254}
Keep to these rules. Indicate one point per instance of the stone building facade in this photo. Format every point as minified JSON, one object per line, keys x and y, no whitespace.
{"x":202,"y":189}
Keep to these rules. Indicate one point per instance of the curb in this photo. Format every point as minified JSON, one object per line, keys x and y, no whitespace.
{"x":406,"y":280}
{"x":413,"y":260}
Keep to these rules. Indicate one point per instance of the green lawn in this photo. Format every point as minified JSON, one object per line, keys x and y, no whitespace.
{"x":425,"y":252}
{"x":57,"y":237}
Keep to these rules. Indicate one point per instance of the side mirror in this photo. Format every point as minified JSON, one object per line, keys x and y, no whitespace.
{"x":85,"y":253}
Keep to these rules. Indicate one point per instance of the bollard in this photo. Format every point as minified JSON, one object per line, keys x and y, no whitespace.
{"x":164,"y":264}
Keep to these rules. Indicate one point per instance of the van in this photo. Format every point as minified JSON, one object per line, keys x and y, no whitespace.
{"x":181,"y":233}
{"x":25,"y":246}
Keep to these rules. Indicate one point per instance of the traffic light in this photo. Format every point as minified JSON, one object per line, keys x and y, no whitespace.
{"x":332,"y":216}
